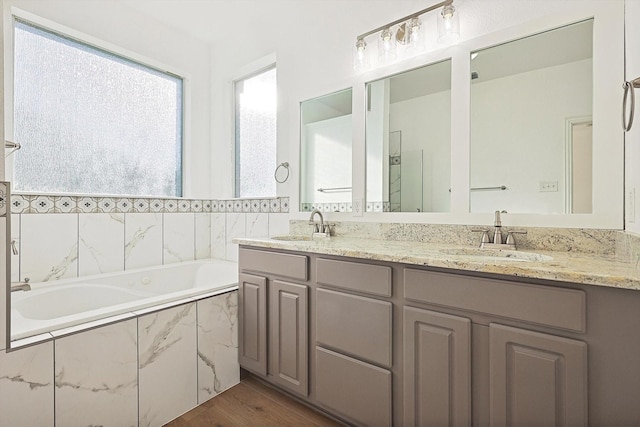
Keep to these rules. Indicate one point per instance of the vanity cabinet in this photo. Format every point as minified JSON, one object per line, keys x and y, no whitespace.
{"x":354,"y":330}
{"x":533,"y":378}
{"x":273,"y":318}
{"x":381,"y":343}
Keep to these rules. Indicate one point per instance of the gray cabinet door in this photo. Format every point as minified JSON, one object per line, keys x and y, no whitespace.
{"x":536,"y":379}
{"x":437,"y":369}
{"x":288,"y":336}
{"x":252,"y":323}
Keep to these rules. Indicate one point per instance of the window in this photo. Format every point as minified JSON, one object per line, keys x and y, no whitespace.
{"x":255,"y":130}
{"x":92,"y":122}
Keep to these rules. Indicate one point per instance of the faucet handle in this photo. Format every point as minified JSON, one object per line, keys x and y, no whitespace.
{"x":510,"y":239}
{"x":485,"y":235}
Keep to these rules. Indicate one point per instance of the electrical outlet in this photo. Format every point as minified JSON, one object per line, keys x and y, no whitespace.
{"x":548,"y":186}
{"x":631,"y":206}
{"x":357,"y":207}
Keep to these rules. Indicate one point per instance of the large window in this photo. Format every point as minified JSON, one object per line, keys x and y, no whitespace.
{"x":92,"y":122}
{"x":255,"y":129}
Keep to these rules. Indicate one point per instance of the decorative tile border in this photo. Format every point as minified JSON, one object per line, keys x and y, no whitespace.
{"x":322,"y":207}
{"x":43,"y":204}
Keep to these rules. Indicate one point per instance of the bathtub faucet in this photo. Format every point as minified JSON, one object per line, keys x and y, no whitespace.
{"x":21,"y":286}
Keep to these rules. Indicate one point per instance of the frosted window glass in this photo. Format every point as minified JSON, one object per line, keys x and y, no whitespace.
{"x":256,"y":135}
{"x":92,"y":122}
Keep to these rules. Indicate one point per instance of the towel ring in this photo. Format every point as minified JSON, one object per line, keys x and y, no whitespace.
{"x":275,"y":174}
{"x":629,"y":88}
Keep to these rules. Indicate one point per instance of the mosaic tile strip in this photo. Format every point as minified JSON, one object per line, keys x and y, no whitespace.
{"x":323,"y":207}
{"x":43,"y":204}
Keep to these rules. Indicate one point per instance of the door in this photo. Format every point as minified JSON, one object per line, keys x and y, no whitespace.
{"x":536,"y":379}
{"x":288,"y":336}
{"x":437,"y":369}
{"x":252,"y":323}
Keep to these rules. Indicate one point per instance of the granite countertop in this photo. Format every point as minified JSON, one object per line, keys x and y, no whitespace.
{"x":574,"y":267}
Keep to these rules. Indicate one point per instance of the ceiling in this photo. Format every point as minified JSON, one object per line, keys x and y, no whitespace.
{"x":206,"y":20}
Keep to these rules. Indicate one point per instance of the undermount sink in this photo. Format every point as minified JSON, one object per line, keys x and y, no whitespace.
{"x":502,"y":254}
{"x":292,"y":238}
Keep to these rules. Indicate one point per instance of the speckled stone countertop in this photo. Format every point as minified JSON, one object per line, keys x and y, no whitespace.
{"x":599,"y":269}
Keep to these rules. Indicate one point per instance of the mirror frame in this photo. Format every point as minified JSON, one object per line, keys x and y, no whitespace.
{"x":608,"y":139}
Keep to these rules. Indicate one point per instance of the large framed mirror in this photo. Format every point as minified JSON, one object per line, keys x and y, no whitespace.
{"x":531,"y":147}
{"x":408,"y":141}
{"x":326,"y":153}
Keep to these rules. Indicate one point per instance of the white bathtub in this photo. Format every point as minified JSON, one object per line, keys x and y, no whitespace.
{"x":50,"y":306}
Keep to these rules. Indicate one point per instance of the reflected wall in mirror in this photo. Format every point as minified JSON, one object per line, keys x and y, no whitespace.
{"x":325,"y":153}
{"x":531,"y":109}
{"x":408,"y":141}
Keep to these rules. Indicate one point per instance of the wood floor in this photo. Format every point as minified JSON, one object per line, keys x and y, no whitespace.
{"x":252,"y":403}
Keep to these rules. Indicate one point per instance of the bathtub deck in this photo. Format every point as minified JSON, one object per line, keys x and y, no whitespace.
{"x":252,"y":403}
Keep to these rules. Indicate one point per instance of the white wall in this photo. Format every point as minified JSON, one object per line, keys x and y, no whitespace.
{"x":632,"y":138}
{"x":131,"y":32}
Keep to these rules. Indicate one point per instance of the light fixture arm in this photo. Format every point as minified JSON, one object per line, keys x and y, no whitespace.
{"x":406,"y":18}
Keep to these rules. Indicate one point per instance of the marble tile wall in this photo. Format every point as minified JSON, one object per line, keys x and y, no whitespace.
{"x":143,"y":371}
{"x":62,"y":237}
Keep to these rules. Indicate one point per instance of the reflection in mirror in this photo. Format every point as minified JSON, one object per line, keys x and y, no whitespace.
{"x":408,"y":125}
{"x":325,"y":151}
{"x":531,"y":118}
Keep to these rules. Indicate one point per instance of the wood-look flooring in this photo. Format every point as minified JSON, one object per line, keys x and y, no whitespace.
{"x":251,"y":403}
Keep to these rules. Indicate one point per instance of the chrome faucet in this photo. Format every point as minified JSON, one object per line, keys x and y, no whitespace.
{"x":497,"y":234}
{"x":21,"y":286}
{"x":319,"y":229}
{"x":497,"y":243}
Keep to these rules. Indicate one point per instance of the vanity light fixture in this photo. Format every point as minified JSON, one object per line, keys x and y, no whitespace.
{"x":408,"y":34}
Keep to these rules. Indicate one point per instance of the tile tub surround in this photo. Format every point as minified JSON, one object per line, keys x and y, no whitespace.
{"x":66,"y":236}
{"x":86,"y":395}
{"x":122,"y":374}
{"x":596,"y":263}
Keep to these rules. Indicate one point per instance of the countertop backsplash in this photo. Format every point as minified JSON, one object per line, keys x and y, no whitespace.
{"x":623,"y":245}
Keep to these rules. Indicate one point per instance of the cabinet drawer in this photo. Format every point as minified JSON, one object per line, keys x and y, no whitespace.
{"x":356,"y":325}
{"x":366,"y":278}
{"x":286,"y":265}
{"x":355,"y":390}
{"x":542,"y":305}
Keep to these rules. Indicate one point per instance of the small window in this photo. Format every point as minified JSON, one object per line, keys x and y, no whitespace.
{"x":255,"y":130}
{"x":92,"y":122}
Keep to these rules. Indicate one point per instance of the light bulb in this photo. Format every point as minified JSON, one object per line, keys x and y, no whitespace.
{"x":448,"y":26}
{"x":386,"y":46}
{"x":416,"y":35}
{"x":360,"y":57}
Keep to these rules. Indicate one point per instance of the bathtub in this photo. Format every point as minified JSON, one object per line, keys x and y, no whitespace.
{"x":52,"y":306}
